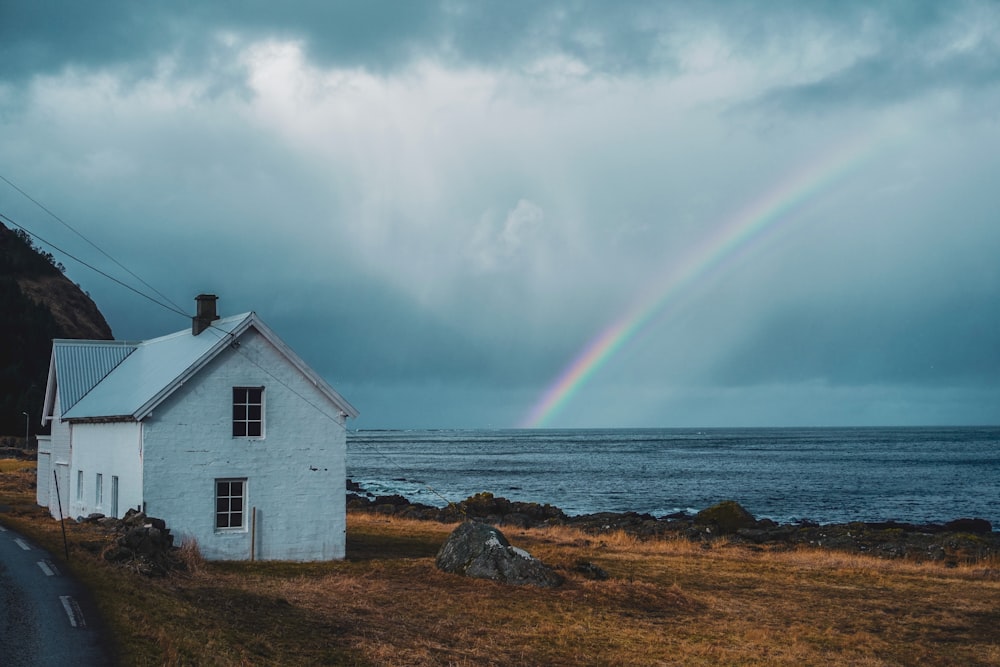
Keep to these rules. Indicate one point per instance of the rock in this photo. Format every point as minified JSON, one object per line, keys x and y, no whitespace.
{"x":976,"y":526}
{"x":481,"y":551}
{"x":591,"y":571}
{"x":394,"y":500}
{"x":727,"y":517}
{"x":517,"y":519}
{"x":142,"y":543}
{"x":134,"y":517}
{"x":961,"y":540}
{"x":133,"y":538}
{"x":117,"y":554}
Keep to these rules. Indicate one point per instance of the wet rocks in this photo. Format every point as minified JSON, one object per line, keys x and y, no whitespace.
{"x":975,"y":526}
{"x":482,"y":506}
{"x":481,"y":551}
{"x":961,"y":540}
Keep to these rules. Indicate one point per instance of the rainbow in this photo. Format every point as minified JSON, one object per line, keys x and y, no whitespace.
{"x":733,"y":238}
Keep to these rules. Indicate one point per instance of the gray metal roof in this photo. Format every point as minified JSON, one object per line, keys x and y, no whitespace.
{"x":81,"y":364}
{"x":151,"y":368}
{"x":114,"y":379}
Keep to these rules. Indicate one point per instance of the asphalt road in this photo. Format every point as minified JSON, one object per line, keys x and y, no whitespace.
{"x":45,"y":616}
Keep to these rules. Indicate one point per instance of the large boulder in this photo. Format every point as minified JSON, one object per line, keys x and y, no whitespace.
{"x":481,"y":551}
{"x":726,"y":517}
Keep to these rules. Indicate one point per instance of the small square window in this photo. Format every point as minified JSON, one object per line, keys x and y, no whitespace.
{"x":229,"y":501}
{"x":248,"y":412}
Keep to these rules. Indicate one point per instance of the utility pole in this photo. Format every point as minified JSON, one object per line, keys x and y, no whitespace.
{"x":27,"y":423}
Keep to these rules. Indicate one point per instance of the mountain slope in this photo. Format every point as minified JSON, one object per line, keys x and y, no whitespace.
{"x":37,"y":303}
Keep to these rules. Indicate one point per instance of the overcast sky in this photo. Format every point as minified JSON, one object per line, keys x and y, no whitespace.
{"x":439,"y":205}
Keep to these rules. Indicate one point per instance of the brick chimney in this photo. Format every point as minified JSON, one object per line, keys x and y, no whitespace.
{"x":206,"y":313}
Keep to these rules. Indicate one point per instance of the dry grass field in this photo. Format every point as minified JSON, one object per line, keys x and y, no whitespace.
{"x":667,"y":602}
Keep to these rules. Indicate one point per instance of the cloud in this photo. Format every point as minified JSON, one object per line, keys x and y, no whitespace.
{"x":440,"y":204}
{"x":920,"y":49}
{"x":495,"y":246}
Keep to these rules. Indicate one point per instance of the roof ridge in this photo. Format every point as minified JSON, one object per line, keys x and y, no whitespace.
{"x":187,"y":331}
{"x":94,"y":341}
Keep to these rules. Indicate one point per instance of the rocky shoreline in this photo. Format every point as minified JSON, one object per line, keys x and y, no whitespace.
{"x":959,"y":541}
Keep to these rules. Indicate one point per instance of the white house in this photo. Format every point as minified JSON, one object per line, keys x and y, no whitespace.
{"x":221,"y":430}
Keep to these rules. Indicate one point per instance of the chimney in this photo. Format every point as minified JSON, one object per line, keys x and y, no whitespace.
{"x":206,"y":313}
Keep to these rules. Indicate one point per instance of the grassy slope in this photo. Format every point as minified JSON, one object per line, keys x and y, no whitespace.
{"x":667,"y":602}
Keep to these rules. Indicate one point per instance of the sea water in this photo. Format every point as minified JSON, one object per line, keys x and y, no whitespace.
{"x":828,"y":475}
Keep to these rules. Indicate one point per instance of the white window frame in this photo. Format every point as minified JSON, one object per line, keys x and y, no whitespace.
{"x":243,"y":410}
{"x":99,"y":490}
{"x":79,"y":486}
{"x":224,"y":511}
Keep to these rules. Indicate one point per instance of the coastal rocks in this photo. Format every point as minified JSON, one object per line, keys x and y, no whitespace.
{"x":960,"y":541}
{"x":928,"y":542}
{"x":481,"y":506}
{"x":633,"y":523}
{"x":481,"y":551}
{"x":976,"y":526}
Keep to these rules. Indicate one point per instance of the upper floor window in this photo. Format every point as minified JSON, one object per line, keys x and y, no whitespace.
{"x":248,"y":412}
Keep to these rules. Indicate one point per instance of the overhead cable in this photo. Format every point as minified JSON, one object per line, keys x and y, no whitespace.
{"x":94,"y":268}
{"x":92,"y":244}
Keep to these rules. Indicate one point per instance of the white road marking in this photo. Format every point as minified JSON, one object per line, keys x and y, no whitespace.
{"x":47,"y":568}
{"x":21,"y":543}
{"x":73,"y":611}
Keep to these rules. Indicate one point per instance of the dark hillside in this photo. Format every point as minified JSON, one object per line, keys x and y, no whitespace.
{"x":37,"y":303}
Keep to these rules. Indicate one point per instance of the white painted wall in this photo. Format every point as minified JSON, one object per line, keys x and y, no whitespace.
{"x":107,"y":449}
{"x":59,"y":458}
{"x":44,"y":470}
{"x":295,"y":474}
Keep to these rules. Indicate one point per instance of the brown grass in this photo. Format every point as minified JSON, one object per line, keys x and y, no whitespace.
{"x":668,"y":602}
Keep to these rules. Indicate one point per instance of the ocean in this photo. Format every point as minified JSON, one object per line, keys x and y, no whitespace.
{"x":827,"y":475}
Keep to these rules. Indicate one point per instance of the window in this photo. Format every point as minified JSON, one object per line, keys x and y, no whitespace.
{"x":99,"y":490}
{"x":248,"y":412}
{"x":79,"y":486}
{"x":114,"y":496}
{"x":230,"y":495}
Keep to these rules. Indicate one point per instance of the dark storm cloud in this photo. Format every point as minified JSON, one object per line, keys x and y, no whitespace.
{"x":438,"y":204}
{"x":637,"y":35}
{"x":917,"y":49}
{"x":44,"y":38}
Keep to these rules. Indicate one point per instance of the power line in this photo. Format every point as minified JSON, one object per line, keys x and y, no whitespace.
{"x":171,"y":308}
{"x":174,"y":308}
{"x":235,"y":346}
{"x":92,"y":244}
